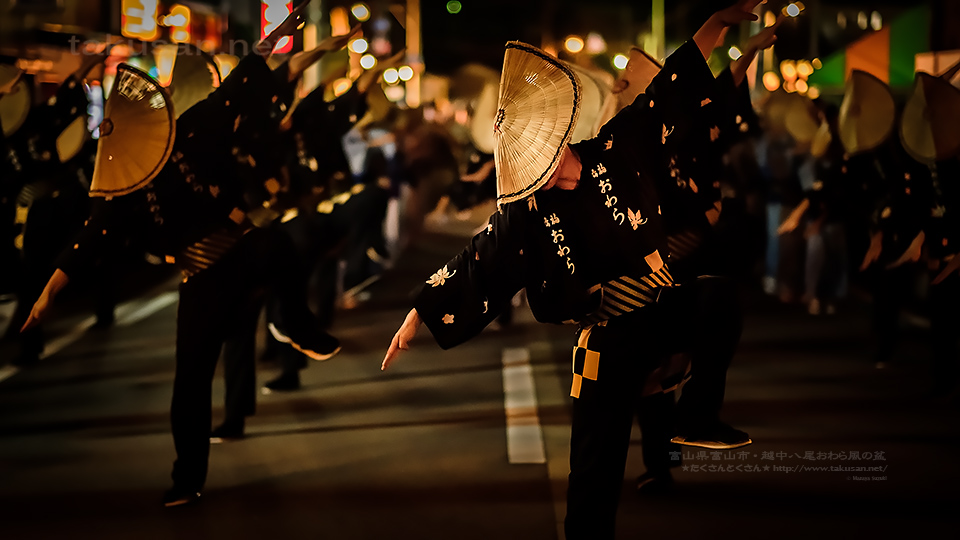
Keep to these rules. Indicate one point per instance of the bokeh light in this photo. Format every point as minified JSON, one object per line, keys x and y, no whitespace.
{"x":367,"y":61}
{"x":454,"y":7}
{"x":391,"y":76}
{"x":405,"y":73}
{"x":573,"y":44}
{"x":340,"y":86}
{"x":360,"y":11}
{"x":771,"y":81}
{"x":359,"y":46}
{"x":620,"y":61}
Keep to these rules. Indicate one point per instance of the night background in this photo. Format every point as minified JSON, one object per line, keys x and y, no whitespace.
{"x":839,"y":225}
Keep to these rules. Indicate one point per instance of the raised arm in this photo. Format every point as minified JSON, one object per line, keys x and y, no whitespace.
{"x":711,"y":32}
{"x":291,"y":24}
{"x":370,"y":76}
{"x":757,"y":42}
{"x":459,"y":300}
{"x":303,"y":60}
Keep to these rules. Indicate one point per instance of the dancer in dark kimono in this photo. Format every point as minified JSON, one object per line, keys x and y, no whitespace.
{"x":580,"y":228}
{"x":180,"y":196}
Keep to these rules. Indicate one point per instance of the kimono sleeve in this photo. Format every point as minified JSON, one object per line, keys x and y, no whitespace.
{"x":251,"y":88}
{"x":472,"y":289}
{"x":106,"y":230}
{"x":680,"y":89}
{"x":48,"y":120}
{"x":668,"y":110}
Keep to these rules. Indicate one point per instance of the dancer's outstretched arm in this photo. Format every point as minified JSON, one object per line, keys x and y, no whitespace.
{"x":710,"y":33}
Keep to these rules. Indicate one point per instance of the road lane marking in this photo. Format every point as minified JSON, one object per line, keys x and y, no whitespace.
{"x":524,"y":434}
{"x":58,"y":343}
{"x":136,"y":311}
{"x":8,"y":371}
{"x":127,"y":313}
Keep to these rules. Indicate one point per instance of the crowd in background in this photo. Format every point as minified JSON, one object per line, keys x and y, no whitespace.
{"x":802,"y":220}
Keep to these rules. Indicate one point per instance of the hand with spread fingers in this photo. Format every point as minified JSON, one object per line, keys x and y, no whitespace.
{"x":739,"y":12}
{"x":765,"y":38}
{"x":403,"y":337}
{"x":873,"y":252}
{"x":710,"y":33}
{"x":335,"y":43}
{"x":289,"y":25}
{"x":370,"y":76}
{"x":303,"y":60}
{"x":57,"y":282}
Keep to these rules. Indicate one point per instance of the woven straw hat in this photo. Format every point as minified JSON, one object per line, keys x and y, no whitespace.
{"x":821,"y":140}
{"x":484,"y":116}
{"x":8,"y":74}
{"x":136,"y":136}
{"x":639,"y":73}
{"x":866,"y":113}
{"x":14,"y":107}
{"x":597,"y":105}
{"x":71,"y":140}
{"x":800,"y":120}
{"x":195,"y":75}
{"x":931,"y":115}
{"x":539,"y":106}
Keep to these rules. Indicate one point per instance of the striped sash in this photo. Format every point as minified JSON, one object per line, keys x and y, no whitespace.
{"x":681,"y":245}
{"x":625,"y":294}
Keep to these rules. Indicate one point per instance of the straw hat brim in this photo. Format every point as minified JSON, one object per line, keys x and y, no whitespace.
{"x":799,"y":120}
{"x":71,"y":140}
{"x":928,"y":128}
{"x":538,"y":109}
{"x":484,"y":116}
{"x":639,"y":73}
{"x":595,"y":107}
{"x":867,"y":113}
{"x":195,"y":76}
{"x":140,"y":137}
{"x":14,"y":108}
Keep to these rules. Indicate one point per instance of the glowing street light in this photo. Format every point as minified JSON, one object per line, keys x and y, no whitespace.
{"x":359,"y":46}
{"x":573,"y":44}
{"x":360,"y":11}
{"x":272,"y":13}
{"x":788,"y":69}
{"x":340,"y":86}
{"x":771,"y":81}
{"x":595,"y":43}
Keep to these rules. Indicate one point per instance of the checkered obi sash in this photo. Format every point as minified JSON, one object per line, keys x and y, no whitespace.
{"x":623,"y":295}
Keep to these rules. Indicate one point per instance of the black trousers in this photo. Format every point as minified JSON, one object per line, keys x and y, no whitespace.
{"x":656,"y":417}
{"x":216,"y":306}
{"x":944,"y":321}
{"x":701,"y":318}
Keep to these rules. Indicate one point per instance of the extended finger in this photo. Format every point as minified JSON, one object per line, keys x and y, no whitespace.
{"x":31,"y":322}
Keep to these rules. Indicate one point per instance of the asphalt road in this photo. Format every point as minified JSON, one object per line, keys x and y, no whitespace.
{"x":422,"y":451}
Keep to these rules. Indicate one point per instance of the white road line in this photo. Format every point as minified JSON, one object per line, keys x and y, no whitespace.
{"x":524,"y":435}
{"x":128,"y":313}
{"x":136,"y":313}
{"x":58,"y":343}
{"x":8,"y":371}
